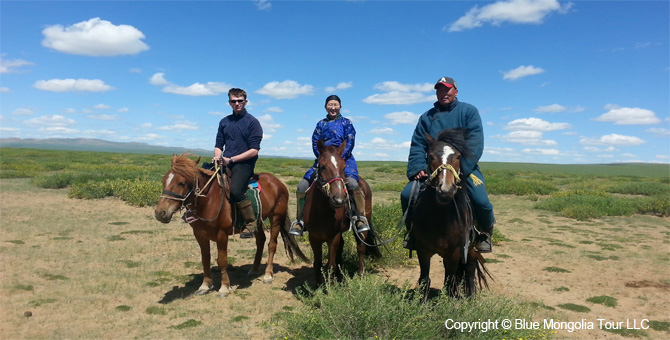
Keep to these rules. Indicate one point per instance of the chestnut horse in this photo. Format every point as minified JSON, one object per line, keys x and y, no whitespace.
{"x":326,"y":213}
{"x":442,"y":221}
{"x":187,"y":186}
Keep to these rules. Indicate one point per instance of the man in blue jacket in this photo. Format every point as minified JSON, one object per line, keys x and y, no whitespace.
{"x":448,"y":113}
{"x":237,"y":143}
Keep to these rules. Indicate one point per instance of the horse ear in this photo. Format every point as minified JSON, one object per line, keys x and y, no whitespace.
{"x":340,"y":148}
{"x":429,"y":138}
{"x":174,"y":158}
{"x":197,"y":160}
{"x":320,"y":146}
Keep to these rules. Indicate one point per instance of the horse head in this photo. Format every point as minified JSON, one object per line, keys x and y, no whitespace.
{"x":178,"y":187}
{"x":330,"y":173}
{"x":444,"y":162}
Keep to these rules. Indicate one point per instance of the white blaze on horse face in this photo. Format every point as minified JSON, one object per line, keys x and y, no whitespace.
{"x":334,"y":161}
{"x":446,"y":152}
{"x":169,"y":179}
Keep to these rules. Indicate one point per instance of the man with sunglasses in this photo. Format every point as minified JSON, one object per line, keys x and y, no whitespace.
{"x":448,"y":112}
{"x":237,"y":143}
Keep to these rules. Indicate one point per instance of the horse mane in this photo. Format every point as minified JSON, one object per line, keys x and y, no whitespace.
{"x":458,"y":139}
{"x":186,"y":167}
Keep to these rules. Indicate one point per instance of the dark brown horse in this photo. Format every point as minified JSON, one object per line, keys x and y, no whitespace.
{"x":187,"y":186}
{"x":326,"y":217}
{"x":443,"y":221}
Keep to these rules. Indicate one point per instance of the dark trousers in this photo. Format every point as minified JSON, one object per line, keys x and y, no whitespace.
{"x":239,"y":181}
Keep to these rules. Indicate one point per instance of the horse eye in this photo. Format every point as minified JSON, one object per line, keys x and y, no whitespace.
{"x":181,"y":184}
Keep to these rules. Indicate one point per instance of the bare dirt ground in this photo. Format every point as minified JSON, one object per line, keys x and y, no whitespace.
{"x":102,"y":269}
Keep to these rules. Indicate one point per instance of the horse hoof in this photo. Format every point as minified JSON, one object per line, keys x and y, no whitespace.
{"x":268,"y":279}
{"x":202,"y":291}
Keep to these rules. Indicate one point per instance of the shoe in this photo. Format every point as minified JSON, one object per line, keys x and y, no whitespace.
{"x":246,"y":234}
{"x":296,"y":228}
{"x":485,"y":244}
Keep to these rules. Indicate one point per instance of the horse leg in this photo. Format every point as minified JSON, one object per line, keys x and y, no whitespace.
{"x":318,"y":260}
{"x":469,"y":271}
{"x":272,"y":249}
{"x":205,"y":256}
{"x":335,"y":250}
{"x":424,"y":276}
{"x":360,"y":249}
{"x":222,"y":261}
{"x":451,"y":276}
{"x":260,"y":244}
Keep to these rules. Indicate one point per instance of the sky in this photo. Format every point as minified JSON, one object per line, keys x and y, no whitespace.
{"x":562,"y":82}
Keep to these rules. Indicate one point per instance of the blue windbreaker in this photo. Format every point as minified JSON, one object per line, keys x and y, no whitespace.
{"x":334,"y":132}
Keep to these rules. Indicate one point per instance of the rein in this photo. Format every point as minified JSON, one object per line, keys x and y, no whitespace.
{"x":197,"y":191}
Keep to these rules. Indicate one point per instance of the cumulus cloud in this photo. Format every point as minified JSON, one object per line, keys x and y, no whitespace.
{"x":95,"y":37}
{"x":512,"y":11}
{"x":102,"y":107}
{"x":23,"y":111}
{"x":402,"y":117}
{"x":274,"y":109}
{"x":659,"y":131}
{"x":535,"y":124}
{"x":70,"y":85}
{"x":263,"y":5}
{"x":11,"y":66}
{"x":287,"y":89}
{"x":49,"y":121}
{"x":526,"y":138}
{"x":382,"y":131}
{"x":339,"y":86}
{"x":522,"y":71}
{"x":553,"y":108}
{"x":268,"y":123}
{"x":104,"y":117}
{"x":158,"y":79}
{"x":389,"y":86}
{"x":613,"y":139}
{"x":180,"y":125}
{"x":628,"y":116}
{"x":198,"y":89}
{"x":397,"y":93}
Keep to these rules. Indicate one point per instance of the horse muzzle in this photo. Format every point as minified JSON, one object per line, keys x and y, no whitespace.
{"x":337,"y":201}
{"x":445,"y":194}
{"x":163,"y":215}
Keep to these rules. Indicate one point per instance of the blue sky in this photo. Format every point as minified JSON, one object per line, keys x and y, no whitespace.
{"x":554,"y":81}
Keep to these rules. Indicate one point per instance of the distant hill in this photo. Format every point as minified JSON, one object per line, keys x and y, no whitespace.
{"x":99,"y":145}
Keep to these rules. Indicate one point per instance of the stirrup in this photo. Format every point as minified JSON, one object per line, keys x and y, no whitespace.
{"x":362,"y":224}
{"x":296,"y":228}
{"x":485,"y":245}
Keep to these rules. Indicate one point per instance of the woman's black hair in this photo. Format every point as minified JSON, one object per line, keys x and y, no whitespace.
{"x":333,"y":97}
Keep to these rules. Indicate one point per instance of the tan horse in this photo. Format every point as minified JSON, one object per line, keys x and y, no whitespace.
{"x":442,"y":221}
{"x":187,"y":186}
{"x":326,"y":213}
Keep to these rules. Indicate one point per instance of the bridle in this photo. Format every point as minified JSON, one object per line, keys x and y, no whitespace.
{"x":197,"y":192}
{"x":445,"y":167}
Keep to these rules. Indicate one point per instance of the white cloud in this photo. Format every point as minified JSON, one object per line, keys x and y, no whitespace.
{"x":68,"y":85}
{"x":382,"y":131}
{"x":628,"y":116}
{"x":526,"y":138}
{"x":11,"y":66}
{"x":339,"y":86}
{"x":545,"y":152}
{"x":274,"y":109}
{"x":123,"y":110}
{"x":146,"y":125}
{"x":522,"y":71}
{"x":22,"y":112}
{"x":659,"y":131}
{"x":398,"y":98}
{"x":287,"y":89}
{"x":181,"y":125}
{"x":263,"y":5}
{"x":5,"y":89}
{"x":198,"y":89}
{"x":216,"y":113}
{"x":102,"y":107}
{"x":104,"y":117}
{"x":535,"y":124}
{"x":59,"y":130}
{"x":268,"y":123}
{"x":94,"y":37}
{"x":402,"y":117}
{"x":158,"y":79}
{"x":49,"y":121}
{"x":390,"y":86}
{"x":613,"y":139}
{"x":512,"y":11}
{"x":595,"y":149}
{"x":553,"y":108}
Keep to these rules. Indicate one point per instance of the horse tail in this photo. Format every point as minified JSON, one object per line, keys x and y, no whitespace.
{"x":290,"y":244}
{"x":482,"y":273}
{"x":373,"y":238}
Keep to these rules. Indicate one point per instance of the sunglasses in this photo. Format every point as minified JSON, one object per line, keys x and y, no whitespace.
{"x":233,"y":101}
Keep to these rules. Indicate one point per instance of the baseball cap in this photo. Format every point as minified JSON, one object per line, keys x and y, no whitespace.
{"x":446,"y":81}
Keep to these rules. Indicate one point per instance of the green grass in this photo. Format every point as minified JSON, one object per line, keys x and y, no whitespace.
{"x":575,"y":307}
{"x":369,"y":307}
{"x":603,"y":300}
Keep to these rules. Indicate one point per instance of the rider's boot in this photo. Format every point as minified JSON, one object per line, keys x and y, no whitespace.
{"x":249,"y":216}
{"x":484,"y":242}
{"x":362,"y":223}
{"x":298,"y":226}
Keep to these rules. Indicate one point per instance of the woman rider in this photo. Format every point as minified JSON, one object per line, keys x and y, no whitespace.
{"x":333,"y":130}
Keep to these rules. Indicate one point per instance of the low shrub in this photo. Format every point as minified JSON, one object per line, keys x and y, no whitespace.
{"x":56,"y":180}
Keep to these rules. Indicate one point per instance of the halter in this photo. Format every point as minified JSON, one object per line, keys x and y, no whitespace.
{"x":444,"y":167}
{"x":326,"y":187}
{"x":195,"y":189}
